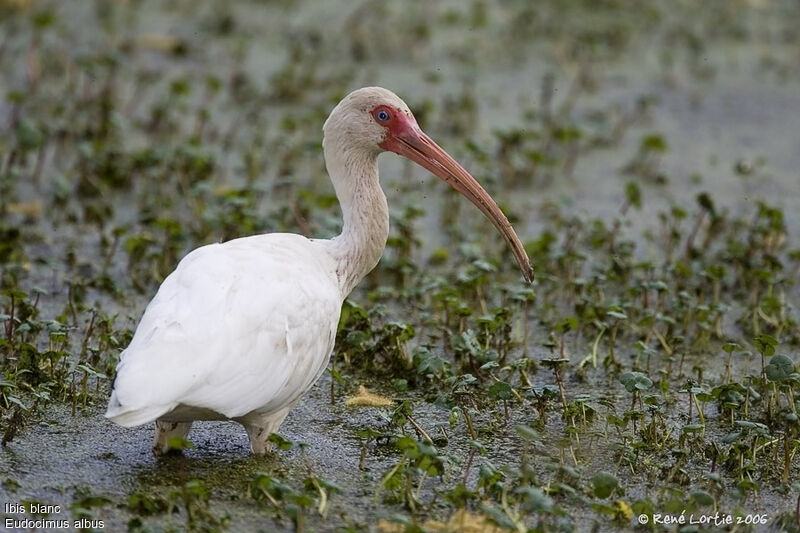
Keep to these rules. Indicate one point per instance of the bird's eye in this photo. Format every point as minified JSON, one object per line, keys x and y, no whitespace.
{"x":382,"y":115}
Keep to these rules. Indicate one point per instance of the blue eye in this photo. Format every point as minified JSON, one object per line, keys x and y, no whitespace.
{"x":382,"y":115}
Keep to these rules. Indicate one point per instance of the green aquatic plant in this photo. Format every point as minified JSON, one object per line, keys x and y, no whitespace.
{"x":120,"y":150}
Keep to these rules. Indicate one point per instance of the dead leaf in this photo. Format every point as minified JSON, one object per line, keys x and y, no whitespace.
{"x":364,"y":398}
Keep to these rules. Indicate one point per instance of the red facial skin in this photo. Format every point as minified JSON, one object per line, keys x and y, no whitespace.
{"x":397,"y":125}
{"x":404,"y":137}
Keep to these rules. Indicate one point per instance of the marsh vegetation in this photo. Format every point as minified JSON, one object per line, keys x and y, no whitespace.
{"x":648,"y":154}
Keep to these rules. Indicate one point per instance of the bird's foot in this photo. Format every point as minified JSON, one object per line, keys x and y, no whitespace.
{"x":166,"y":431}
{"x":259,"y":430}
{"x":259,"y":439}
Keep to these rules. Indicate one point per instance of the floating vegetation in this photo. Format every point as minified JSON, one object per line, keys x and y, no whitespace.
{"x":647,"y":155}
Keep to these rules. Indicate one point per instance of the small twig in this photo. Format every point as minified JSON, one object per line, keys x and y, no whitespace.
{"x":419,"y":429}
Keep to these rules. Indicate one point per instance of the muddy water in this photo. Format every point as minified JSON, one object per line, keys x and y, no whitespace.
{"x":743,"y":112}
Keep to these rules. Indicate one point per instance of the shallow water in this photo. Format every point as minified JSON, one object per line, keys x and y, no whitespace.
{"x":735,"y":102}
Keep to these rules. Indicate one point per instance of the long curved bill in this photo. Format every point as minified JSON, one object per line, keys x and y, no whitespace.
{"x":414,"y":144}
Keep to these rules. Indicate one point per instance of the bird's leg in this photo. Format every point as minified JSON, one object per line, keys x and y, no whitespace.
{"x":260,"y":427}
{"x":165,"y":431}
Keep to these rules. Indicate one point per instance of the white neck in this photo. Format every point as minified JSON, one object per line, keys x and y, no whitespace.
{"x":354,"y":173}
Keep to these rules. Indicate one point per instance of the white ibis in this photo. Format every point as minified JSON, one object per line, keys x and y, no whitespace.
{"x":242,"y":329}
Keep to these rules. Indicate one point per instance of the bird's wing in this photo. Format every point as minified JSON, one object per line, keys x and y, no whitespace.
{"x":244,"y":325}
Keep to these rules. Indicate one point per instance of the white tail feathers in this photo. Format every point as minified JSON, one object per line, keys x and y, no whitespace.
{"x":127,"y":417}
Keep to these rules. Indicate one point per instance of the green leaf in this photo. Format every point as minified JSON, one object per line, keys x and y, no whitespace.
{"x":635,"y":381}
{"x":617,"y":314}
{"x":16,"y":401}
{"x":500,"y":390}
{"x":264,"y":484}
{"x":29,"y":135}
{"x":653,"y":143}
{"x":281,"y":442}
{"x":466,"y":343}
{"x":604,"y":484}
{"x":765,"y":344}
{"x":527,"y":433}
{"x":780,"y":368}
{"x":535,"y":500}
{"x":729,"y":347}
{"x":179,"y":443}
{"x":705,"y":202}
{"x":633,"y":194}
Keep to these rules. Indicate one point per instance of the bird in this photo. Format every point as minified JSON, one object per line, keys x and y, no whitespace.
{"x":241,"y":330}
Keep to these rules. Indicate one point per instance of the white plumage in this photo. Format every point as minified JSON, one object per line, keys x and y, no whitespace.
{"x":241,"y":330}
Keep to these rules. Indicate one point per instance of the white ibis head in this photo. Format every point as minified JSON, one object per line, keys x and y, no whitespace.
{"x":374,"y":119}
